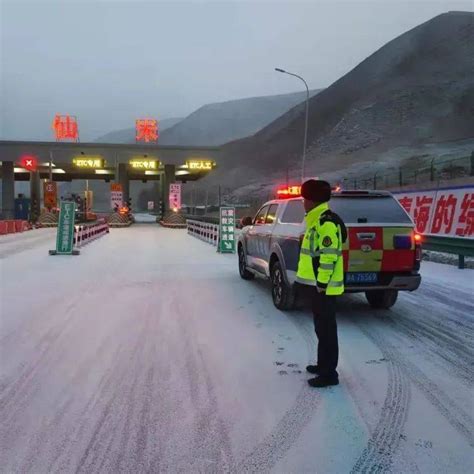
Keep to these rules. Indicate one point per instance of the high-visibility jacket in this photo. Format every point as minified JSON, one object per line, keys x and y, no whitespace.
{"x":320,"y":261}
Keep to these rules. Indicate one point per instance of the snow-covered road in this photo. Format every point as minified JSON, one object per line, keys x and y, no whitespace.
{"x":148,"y":353}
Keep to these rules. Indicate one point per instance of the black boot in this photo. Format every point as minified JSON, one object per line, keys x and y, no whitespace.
{"x":312,"y":369}
{"x":321,"y":381}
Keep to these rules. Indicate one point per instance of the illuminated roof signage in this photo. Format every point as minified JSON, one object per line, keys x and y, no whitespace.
{"x":144,"y":164}
{"x":65,"y":127}
{"x":146,"y":130}
{"x":200,"y":165}
{"x":289,"y":191}
{"x":93,"y":162}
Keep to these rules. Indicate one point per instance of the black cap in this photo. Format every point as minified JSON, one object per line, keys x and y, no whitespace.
{"x":316,"y":190}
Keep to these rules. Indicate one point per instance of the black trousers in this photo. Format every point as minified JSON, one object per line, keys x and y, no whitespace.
{"x":324,"y":316}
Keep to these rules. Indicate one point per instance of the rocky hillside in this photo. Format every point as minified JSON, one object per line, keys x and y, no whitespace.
{"x":219,"y":123}
{"x":127,"y":135}
{"x":415,"y":90}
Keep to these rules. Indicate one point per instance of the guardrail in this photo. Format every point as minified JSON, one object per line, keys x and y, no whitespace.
{"x":206,"y":231}
{"x":208,"y":219}
{"x":454,"y":245}
{"x":85,"y":233}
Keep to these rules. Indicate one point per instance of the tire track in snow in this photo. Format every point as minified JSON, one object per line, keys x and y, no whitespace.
{"x":16,"y":393}
{"x":454,"y":353}
{"x":277,"y":443}
{"x":455,"y":415}
{"x":211,"y":438}
{"x":385,"y":440}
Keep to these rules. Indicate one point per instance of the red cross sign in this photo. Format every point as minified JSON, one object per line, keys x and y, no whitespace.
{"x":29,"y":162}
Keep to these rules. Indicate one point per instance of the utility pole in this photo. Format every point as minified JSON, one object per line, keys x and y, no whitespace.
{"x":306,"y":119}
{"x":51,"y":166}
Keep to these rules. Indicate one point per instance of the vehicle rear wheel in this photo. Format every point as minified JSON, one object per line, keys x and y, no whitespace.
{"x":283,"y":295}
{"x":244,"y":273}
{"x":381,"y":299}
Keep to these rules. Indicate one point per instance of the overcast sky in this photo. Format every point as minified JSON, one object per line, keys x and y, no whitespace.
{"x":110,"y":62}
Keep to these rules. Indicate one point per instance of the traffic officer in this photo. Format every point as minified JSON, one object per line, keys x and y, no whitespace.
{"x":320,"y":264}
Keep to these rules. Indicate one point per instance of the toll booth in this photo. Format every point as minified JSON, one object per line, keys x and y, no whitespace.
{"x":22,"y":208}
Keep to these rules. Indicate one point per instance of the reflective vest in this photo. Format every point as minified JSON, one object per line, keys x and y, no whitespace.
{"x":321,"y":253}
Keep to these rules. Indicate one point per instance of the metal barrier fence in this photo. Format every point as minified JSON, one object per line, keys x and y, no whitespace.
{"x":205,"y":231}
{"x":85,"y":233}
{"x":437,"y":170}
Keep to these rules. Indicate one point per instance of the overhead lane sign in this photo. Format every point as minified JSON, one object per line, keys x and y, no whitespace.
{"x":144,"y":164}
{"x":93,"y":162}
{"x":200,"y":165}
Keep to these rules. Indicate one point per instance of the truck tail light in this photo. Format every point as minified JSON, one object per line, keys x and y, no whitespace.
{"x":418,"y":250}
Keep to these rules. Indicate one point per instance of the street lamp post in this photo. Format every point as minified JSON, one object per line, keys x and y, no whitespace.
{"x":306,"y":119}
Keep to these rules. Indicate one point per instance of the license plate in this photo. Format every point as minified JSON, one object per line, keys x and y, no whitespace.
{"x":363,"y":277}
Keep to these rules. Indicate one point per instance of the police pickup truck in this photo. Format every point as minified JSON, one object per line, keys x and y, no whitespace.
{"x":381,"y":255}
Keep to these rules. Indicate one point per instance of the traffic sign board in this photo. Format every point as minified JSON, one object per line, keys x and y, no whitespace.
{"x":50,"y":194}
{"x":116,"y":196}
{"x":175,"y":196}
{"x":65,"y":235}
{"x":227,"y":230}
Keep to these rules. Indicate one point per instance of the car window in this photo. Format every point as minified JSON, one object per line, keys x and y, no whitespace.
{"x":369,"y":209}
{"x":294,"y":212}
{"x":260,"y":217}
{"x":271,"y":216}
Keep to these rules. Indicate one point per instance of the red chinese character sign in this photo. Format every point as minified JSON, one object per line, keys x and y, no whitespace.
{"x":65,"y":128}
{"x":445,"y":212}
{"x":146,"y":130}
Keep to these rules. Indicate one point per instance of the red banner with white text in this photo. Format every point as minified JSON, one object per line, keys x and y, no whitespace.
{"x":445,"y":212}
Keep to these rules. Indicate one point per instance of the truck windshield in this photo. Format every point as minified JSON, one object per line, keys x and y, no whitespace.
{"x":353,"y":210}
{"x":369,"y":209}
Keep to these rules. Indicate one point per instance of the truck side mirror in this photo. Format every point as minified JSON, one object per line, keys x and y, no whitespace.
{"x":246,"y":221}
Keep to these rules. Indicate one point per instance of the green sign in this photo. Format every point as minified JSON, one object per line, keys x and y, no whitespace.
{"x":65,"y":236}
{"x":227,"y":230}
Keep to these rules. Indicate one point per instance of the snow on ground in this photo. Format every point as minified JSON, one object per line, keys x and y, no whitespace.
{"x":148,"y":353}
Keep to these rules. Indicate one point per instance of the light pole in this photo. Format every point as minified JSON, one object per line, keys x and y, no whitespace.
{"x":306,"y":119}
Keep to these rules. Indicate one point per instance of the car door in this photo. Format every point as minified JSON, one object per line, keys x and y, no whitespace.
{"x":266,"y":234}
{"x":253,"y":236}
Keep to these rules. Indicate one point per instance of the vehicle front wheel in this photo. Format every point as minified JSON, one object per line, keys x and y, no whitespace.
{"x":283,"y":295}
{"x":381,"y":299}
{"x":244,"y":273}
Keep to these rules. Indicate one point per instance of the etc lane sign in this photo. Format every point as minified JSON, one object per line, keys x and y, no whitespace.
{"x":227,"y":230}
{"x":65,"y":234}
